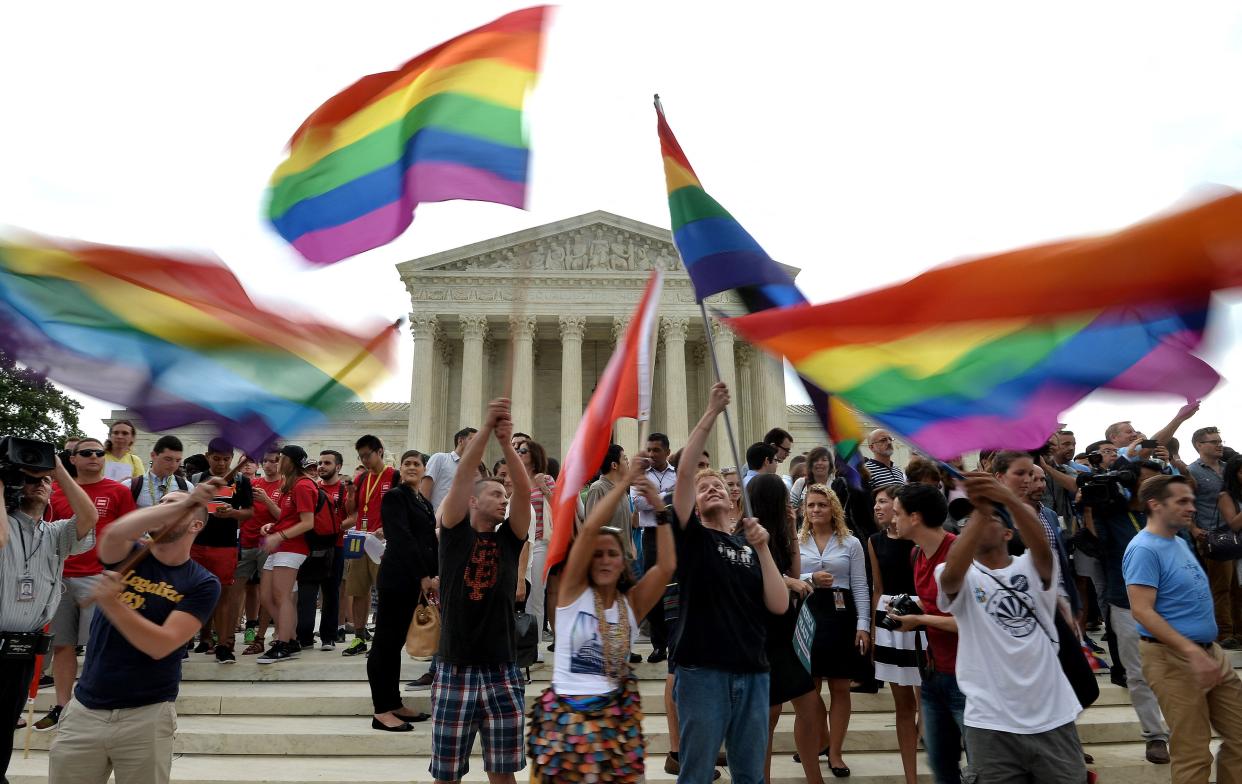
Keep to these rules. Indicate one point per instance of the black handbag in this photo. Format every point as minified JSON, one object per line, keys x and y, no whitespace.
{"x":1223,"y":544}
{"x":527,"y":639}
{"x":317,"y":567}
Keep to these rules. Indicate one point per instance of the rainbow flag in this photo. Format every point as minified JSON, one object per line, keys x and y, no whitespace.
{"x":721,"y":255}
{"x":178,"y":341}
{"x":446,"y":125}
{"x":989,"y":353}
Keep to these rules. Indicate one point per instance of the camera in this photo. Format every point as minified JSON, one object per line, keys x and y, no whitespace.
{"x":901,"y":604}
{"x":18,"y":458}
{"x":1106,"y":488}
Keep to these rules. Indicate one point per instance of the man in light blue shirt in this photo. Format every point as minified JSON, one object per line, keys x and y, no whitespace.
{"x":1171,"y":601}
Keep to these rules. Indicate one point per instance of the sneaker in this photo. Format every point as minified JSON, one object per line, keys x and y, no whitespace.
{"x":224,"y":655}
{"x":635,"y":658}
{"x":1229,"y":644}
{"x":420,"y":684}
{"x":308,"y":645}
{"x":363,"y":634}
{"x":356,"y":647}
{"x":204,"y":646}
{"x":340,"y":634}
{"x":253,"y":648}
{"x":45,"y":681}
{"x":277,"y":653}
{"x":293,"y":647}
{"x":1158,"y":752}
{"x":49,"y":721}
{"x":1092,"y":644}
{"x":250,"y":634}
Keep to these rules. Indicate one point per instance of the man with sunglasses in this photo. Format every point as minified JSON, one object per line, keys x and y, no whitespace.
{"x":32,"y":556}
{"x":72,"y":621}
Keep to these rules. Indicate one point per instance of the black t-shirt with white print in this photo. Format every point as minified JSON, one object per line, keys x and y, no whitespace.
{"x":478,"y":587}
{"x":723,"y":616}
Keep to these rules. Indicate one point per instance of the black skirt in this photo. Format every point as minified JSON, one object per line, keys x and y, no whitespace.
{"x":835,"y":652}
{"x":787,"y":678}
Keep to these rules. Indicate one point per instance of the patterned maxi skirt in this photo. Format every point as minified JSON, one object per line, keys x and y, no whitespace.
{"x":587,"y":739}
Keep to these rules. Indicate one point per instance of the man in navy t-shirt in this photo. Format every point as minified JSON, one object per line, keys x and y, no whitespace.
{"x":121,"y":717}
{"x":1171,"y":600}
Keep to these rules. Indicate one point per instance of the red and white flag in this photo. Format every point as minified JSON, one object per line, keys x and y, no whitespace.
{"x":624,"y":390}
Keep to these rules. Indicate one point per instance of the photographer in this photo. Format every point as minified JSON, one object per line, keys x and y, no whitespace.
{"x":32,"y":558}
{"x":1005,"y":609}
{"x":1115,"y":521}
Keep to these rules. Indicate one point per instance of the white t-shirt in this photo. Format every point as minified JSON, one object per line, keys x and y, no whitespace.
{"x":442,"y":468}
{"x":1004,"y":656}
{"x":579,"y":665}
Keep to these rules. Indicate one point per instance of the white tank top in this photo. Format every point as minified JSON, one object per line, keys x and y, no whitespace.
{"x":579,"y":666}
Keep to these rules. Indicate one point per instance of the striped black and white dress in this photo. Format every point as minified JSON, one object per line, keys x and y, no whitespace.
{"x":896,"y":653}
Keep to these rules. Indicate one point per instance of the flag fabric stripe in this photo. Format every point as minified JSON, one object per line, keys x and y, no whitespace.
{"x":134,"y":329}
{"x":998,"y":370}
{"x":357,"y":167}
{"x":687,"y":205}
{"x":623,"y":390}
{"x":391,"y":144}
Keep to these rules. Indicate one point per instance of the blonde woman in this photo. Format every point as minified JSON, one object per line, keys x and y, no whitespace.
{"x":733,"y":480}
{"x":834,"y":564}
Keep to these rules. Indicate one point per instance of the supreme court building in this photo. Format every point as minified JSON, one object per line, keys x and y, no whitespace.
{"x":544,"y":307}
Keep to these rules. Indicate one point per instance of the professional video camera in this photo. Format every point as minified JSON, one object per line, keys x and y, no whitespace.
{"x":19,"y":457}
{"x":1106,"y":488}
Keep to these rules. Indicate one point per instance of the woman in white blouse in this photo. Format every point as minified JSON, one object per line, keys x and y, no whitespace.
{"x":834,"y":564}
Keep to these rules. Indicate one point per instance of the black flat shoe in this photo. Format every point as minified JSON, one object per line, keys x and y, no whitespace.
{"x":823,"y":753}
{"x":841,"y":772}
{"x":412,"y":718}
{"x":376,"y":724}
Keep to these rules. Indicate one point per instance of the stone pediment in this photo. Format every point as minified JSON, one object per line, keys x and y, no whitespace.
{"x":597,"y":243}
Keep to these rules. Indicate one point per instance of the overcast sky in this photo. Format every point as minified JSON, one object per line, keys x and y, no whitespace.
{"x":861,"y":142}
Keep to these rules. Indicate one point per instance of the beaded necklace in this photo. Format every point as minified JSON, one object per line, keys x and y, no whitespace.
{"x":614,"y":639}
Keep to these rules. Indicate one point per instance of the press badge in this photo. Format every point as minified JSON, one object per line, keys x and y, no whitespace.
{"x":25,"y":589}
{"x":364,"y":523}
{"x":838,"y":597}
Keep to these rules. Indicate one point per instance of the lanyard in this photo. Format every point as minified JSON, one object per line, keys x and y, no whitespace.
{"x":21,"y":532}
{"x":367,"y":486}
{"x":1134,"y":522}
{"x":658,"y":476}
{"x":151,"y":490}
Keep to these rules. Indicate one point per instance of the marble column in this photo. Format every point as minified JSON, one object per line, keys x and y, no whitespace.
{"x":424,"y":329}
{"x":722,"y":341}
{"x":675,"y":382}
{"x":473,"y":332}
{"x":522,"y":330}
{"x":777,"y":413}
{"x":626,"y":428}
{"x":440,"y":436}
{"x":572,"y":329}
{"x":749,"y":419}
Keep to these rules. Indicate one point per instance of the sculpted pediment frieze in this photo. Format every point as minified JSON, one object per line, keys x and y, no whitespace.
{"x":598,"y":248}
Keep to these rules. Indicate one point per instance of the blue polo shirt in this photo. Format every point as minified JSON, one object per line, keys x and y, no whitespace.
{"x":1183,"y":595}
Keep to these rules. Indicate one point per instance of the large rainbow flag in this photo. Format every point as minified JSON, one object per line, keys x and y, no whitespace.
{"x":178,"y":341}
{"x":720,"y":255}
{"x":989,"y":353}
{"x":446,"y":125}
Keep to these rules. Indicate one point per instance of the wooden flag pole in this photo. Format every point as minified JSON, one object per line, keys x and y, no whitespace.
{"x":728,"y":420}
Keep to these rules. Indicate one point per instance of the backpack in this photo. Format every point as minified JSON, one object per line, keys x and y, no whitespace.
{"x":327,"y":524}
{"x":135,"y":485}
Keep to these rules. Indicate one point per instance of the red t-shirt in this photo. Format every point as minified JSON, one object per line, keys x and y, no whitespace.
{"x":941,"y":645}
{"x":250,"y":536}
{"x":336,"y":500}
{"x":292,"y":506}
{"x":371,"y":489}
{"x":112,"y":499}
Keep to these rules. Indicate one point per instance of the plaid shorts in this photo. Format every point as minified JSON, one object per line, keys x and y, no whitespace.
{"x":466,"y":700}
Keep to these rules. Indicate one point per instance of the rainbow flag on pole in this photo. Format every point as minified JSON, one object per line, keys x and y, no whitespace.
{"x":178,"y":341}
{"x":446,"y":125}
{"x":989,"y":353}
{"x":720,"y":255}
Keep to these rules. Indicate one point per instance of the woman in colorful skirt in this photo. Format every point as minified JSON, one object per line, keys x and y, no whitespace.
{"x":896,"y":652}
{"x":587,"y":726}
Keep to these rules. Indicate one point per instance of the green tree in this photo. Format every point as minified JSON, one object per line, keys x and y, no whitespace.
{"x":32,"y":407}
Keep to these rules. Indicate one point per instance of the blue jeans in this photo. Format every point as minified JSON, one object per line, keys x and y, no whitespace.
{"x":714,"y":706}
{"x":943,"y":705}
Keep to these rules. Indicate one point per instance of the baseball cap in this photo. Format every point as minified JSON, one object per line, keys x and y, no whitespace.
{"x":295,"y":453}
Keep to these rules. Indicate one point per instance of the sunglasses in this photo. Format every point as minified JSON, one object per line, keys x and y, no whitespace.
{"x":90,"y":453}
{"x":523,"y":451}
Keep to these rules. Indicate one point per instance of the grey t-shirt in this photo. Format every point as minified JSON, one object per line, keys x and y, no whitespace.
{"x":441,"y":469}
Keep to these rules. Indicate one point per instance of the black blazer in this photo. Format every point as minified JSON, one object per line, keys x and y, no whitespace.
{"x":412,"y":551}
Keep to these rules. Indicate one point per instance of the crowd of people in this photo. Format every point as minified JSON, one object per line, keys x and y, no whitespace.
{"x":972,"y":594}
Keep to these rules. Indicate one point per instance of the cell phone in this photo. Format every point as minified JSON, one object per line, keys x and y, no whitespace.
{"x":1149,"y":443}
{"x":221,"y":499}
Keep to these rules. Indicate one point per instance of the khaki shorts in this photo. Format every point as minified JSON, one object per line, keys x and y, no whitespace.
{"x":249,"y":564}
{"x":135,"y":743}
{"x":71,"y":625}
{"x":360,"y":575}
